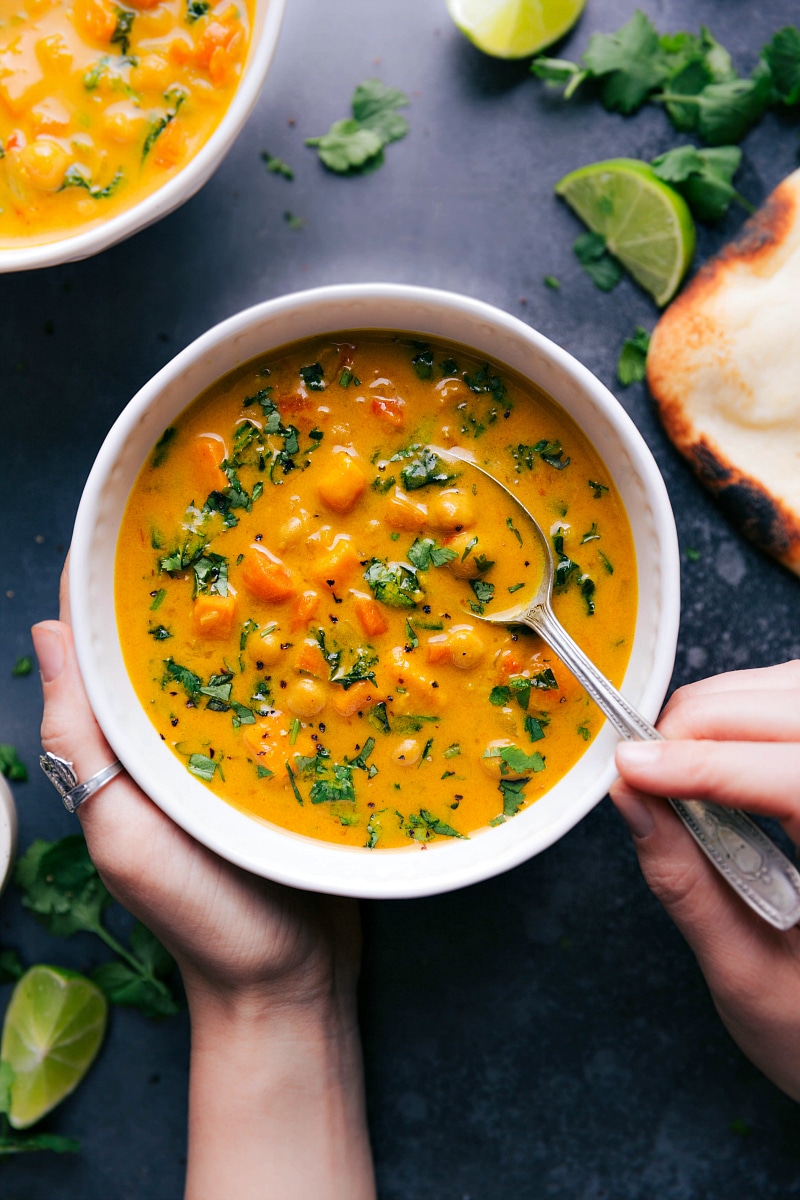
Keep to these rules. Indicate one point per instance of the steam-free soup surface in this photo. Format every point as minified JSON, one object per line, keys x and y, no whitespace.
{"x":300,"y":575}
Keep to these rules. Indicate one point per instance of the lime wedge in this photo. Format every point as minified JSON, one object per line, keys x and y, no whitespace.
{"x":514,"y":28}
{"x":646,"y":224}
{"x":53,"y":1028}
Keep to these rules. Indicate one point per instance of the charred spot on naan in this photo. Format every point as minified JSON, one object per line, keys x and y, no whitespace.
{"x":747,"y":504}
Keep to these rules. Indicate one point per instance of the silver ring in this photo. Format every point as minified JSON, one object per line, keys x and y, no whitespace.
{"x":61,"y":774}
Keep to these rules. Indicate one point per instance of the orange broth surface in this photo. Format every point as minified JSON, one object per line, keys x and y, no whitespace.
{"x":101,"y":103}
{"x":299,"y":578}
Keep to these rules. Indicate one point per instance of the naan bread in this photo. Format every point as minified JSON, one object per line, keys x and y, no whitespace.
{"x":724,"y":368}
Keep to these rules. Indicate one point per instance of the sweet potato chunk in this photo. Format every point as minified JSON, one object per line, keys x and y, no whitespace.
{"x":267,"y":577}
{"x":342,"y":484}
{"x":212,"y":615}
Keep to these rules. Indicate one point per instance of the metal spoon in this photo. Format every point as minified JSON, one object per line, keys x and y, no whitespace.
{"x":752,"y":864}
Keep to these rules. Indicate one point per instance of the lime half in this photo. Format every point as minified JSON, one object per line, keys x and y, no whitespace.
{"x":646,"y":224}
{"x":514,"y":28}
{"x":54,"y":1025}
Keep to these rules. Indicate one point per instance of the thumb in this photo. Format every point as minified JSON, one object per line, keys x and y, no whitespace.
{"x":69,"y":728}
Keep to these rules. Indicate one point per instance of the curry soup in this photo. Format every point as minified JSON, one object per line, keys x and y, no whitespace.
{"x":101,"y":103}
{"x":299,"y":578}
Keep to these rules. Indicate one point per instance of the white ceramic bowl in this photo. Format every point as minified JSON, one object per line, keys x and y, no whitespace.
{"x":267,"y":849}
{"x":8,"y":832}
{"x":181,"y":187}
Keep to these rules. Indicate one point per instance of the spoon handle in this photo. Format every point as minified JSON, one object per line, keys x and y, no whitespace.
{"x":752,"y":864}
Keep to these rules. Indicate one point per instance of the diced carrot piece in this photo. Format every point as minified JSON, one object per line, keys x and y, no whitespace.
{"x":144,"y":4}
{"x":342,"y":483}
{"x":15,"y":140}
{"x":214,"y":35}
{"x":208,"y":452}
{"x":221,"y":67}
{"x":180,"y":51}
{"x":438,"y":649}
{"x":295,"y":403}
{"x":391,"y":412}
{"x":170,"y":147}
{"x":334,"y":568}
{"x":267,"y":577}
{"x":370,"y":614}
{"x":311,"y":659}
{"x":304,"y":609}
{"x":212,"y":616}
{"x":403,"y":513}
{"x":358,"y":697}
{"x":509,"y":663}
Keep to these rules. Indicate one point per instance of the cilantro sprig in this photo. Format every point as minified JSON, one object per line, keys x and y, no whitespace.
{"x":61,"y":887}
{"x":691,"y":75}
{"x":355,"y":145}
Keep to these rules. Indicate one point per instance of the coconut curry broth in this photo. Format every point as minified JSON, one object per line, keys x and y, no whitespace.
{"x":102,"y":103}
{"x":298,"y":577}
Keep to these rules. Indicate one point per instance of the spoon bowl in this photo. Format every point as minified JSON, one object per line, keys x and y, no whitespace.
{"x":752,"y":864}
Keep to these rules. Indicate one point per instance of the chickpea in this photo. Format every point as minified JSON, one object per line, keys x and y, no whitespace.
{"x":266,"y":650}
{"x":407,"y":753}
{"x":44,"y":163}
{"x":152,"y":72}
{"x":122,"y":123}
{"x":452,"y":509}
{"x":466,"y":647}
{"x":293,"y":529}
{"x":402,"y":513}
{"x":306,"y":697}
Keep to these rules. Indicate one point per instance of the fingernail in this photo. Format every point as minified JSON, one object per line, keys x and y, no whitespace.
{"x":638,"y":754}
{"x":634,"y":811}
{"x":49,"y":646}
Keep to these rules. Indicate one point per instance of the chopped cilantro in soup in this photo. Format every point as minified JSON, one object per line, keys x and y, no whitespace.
{"x":318,"y":571}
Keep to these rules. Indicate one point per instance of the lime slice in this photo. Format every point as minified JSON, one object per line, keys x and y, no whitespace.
{"x":514,"y":28}
{"x":54,"y":1025}
{"x":646,"y":224}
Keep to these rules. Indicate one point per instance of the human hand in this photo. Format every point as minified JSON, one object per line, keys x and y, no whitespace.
{"x":733,"y":739}
{"x":276,"y":1088}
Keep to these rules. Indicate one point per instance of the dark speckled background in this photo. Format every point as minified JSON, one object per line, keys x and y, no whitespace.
{"x":546,"y":1034}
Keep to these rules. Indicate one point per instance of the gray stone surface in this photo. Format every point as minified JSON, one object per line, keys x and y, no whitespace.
{"x":545,"y":1034}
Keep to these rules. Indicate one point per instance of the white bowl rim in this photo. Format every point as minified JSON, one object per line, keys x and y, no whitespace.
{"x":8,"y":831}
{"x":182,"y":186}
{"x":304,"y":862}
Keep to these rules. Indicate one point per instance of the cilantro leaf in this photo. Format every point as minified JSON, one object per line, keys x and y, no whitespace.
{"x":426,"y":468}
{"x":513,"y":793}
{"x":782,"y":55}
{"x":703,"y":177}
{"x":723,"y":112}
{"x":61,"y":887}
{"x":423,"y":826}
{"x":10,"y":764}
{"x":602,"y":268}
{"x":355,"y":145}
{"x":393,"y":584}
{"x":424,"y":554}
{"x":630,"y":61}
{"x":275,"y":166}
{"x":187,"y":679}
{"x":374,"y":106}
{"x":11,"y":968}
{"x":203,"y":767}
{"x":484,"y":592}
{"x":516,"y":760}
{"x":23,"y":666}
{"x":631,"y":366}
